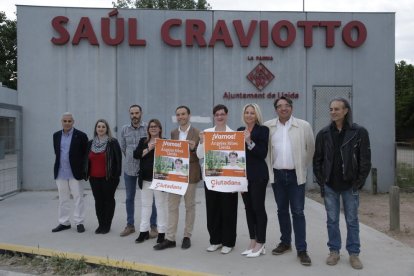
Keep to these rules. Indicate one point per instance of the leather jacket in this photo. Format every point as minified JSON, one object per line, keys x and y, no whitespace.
{"x":355,"y":154}
{"x":113,"y":158}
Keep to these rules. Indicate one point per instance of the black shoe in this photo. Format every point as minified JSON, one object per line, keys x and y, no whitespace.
{"x":80,"y":228}
{"x":161,"y":237}
{"x":142,"y":237}
{"x":105,"y":230}
{"x":98,"y":230}
{"x":304,"y":258}
{"x":61,"y":227}
{"x":186,"y":243}
{"x":164,"y":245}
{"x":281,"y":248}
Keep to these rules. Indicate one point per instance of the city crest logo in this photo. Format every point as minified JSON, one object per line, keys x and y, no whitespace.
{"x":260,"y":76}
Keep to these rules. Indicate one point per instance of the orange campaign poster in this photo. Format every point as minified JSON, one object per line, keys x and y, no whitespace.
{"x":225,"y":161}
{"x":171,"y":166}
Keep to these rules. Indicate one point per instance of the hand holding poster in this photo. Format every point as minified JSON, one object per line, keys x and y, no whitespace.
{"x":225,"y":161}
{"x":171,"y":166}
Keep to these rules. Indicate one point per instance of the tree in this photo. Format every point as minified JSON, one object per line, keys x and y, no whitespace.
{"x":404,"y":99}
{"x":8,"y":51}
{"x":163,"y":4}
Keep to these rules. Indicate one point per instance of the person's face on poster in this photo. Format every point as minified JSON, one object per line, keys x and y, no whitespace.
{"x":178,"y":165}
{"x":232,"y":159}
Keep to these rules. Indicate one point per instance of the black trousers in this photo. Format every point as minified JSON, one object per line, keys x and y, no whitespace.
{"x":221,"y":217}
{"x":104,"y":193}
{"x":254,"y":203}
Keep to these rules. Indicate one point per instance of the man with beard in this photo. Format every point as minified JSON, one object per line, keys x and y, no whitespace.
{"x":130,"y":136}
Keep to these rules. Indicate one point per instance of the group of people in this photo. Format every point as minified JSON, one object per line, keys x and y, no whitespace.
{"x":279,"y":151}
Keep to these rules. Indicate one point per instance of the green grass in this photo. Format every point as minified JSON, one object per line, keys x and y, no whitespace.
{"x":58,"y":265}
{"x":405,"y":175}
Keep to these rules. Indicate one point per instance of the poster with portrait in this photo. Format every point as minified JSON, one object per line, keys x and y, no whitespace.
{"x":225,"y":161}
{"x":171,"y":166}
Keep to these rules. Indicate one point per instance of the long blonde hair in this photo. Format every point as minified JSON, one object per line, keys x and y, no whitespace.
{"x":255,"y":106}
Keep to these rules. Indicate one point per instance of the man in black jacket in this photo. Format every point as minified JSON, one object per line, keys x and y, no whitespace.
{"x":341,"y":164}
{"x":70,"y":147}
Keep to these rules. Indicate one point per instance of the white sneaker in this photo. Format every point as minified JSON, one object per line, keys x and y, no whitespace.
{"x":226,"y":250}
{"x":213,"y":247}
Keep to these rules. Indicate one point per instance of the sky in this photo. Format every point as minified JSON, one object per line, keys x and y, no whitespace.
{"x":404,"y":9}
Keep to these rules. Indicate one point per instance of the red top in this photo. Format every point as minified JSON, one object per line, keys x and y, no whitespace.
{"x":97,"y":164}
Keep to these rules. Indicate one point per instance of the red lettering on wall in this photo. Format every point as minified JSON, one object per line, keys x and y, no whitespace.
{"x":57,"y":24}
{"x":243,"y":38}
{"x":264,"y":30}
{"x":85,"y":31}
{"x":290,"y":33}
{"x":221,"y":33}
{"x":361,"y":34}
{"x":283,"y":32}
{"x":165,"y":32}
{"x":330,"y":31}
{"x":106,"y":31}
{"x":308,"y":31}
{"x":133,"y":33}
{"x":194,"y":30}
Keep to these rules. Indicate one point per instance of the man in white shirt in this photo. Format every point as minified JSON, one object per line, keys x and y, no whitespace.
{"x":185,"y":131}
{"x":291,"y":148}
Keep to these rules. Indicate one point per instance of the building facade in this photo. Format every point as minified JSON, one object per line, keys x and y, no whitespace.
{"x":95,"y":63}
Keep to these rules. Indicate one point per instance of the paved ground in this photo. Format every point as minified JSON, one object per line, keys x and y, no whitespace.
{"x":26,"y":221}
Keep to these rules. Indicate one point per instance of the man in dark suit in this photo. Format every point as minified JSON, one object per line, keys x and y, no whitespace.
{"x":184,"y":132}
{"x":70,"y":147}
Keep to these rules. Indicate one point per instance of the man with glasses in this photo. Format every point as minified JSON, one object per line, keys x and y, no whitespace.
{"x":70,"y":147}
{"x":130,"y":136}
{"x":291,"y":148}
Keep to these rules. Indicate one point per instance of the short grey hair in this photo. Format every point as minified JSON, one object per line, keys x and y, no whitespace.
{"x":68,"y":114}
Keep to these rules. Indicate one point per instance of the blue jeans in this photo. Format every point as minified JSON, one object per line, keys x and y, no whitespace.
{"x":288,"y":193}
{"x":130,"y":189}
{"x":350,"y":200}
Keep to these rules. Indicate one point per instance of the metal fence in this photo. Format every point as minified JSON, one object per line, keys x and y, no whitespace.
{"x":405,"y":165}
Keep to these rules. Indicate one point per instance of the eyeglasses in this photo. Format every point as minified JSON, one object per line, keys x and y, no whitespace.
{"x":67,"y":121}
{"x":220,"y":115}
{"x":280,"y":106}
{"x":153,"y":126}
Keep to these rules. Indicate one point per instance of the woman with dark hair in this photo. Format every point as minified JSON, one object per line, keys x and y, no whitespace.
{"x":145,"y":152}
{"x":221,"y":207}
{"x":104,"y":170}
{"x":256,"y":137}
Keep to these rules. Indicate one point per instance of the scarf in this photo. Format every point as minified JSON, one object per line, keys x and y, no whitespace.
{"x":99,"y":145}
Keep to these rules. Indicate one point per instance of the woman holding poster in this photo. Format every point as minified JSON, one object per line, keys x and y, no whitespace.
{"x":221,"y":207}
{"x":145,"y":152}
{"x":257,"y":139}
